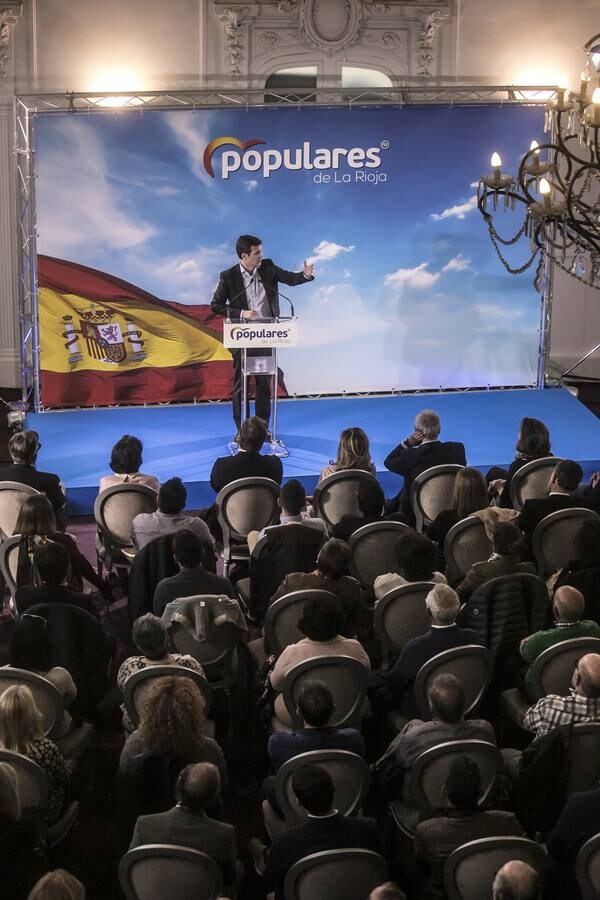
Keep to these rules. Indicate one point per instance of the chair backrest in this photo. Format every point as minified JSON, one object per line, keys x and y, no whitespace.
{"x":9,"y":560}
{"x":283,"y":549}
{"x":345,"y":677}
{"x":244,"y":505}
{"x":215,"y":651}
{"x":137,"y":685}
{"x":401,"y":615}
{"x":553,"y":539}
{"x":13,"y":495}
{"x":335,"y":496}
{"x":116,"y":508}
{"x":374,"y":550}
{"x":552,"y":670}
{"x":432,"y":491}
{"x":530,"y":482}
{"x":349,"y":773}
{"x":32,"y":782}
{"x":47,"y":698}
{"x":466,"y":543}
{"x":351,"y":874}
{"x":471,"y":664}
{"x":587,"y":868}
{"x":429,"y":772}
{"x":584,"y":757}
{"x":470,"y":870}
{"x":155,"y":871}
{"x":283,"y":615}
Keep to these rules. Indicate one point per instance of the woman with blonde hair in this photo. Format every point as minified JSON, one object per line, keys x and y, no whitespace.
{"x":58,"y":885}
{"x":353,"y":453}
{"x":469,"y":496}
{"x":21,"y":731}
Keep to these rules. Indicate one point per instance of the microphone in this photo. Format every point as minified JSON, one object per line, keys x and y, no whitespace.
{"x":278,"y":293}
{"x":239,"y":294}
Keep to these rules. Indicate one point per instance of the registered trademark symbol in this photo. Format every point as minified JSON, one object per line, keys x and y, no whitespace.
{"x":385,"y":145}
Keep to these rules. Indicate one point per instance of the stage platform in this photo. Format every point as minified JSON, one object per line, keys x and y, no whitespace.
{"x":185,"y":440}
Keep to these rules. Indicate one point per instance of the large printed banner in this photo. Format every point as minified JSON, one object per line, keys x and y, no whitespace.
{"x":138,"y":214}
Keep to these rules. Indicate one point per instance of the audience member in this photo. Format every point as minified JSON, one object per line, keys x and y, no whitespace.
{"x":419,"y":451}
{"x":417,"y":559}
{"x":248,"y":462}
{"x":370,"y":500}
{"x":51,"y":562}
{"x":37,"y":525}
{"x":21,"y":862}
{"x":193,"y":578}
{"x":470,"y":494}
{"x":173,"y":726}
{"x":152,"y":640}
{"x":567,"y":608}
{"x":170,"y":516}
{"x":126,"y":461}
{"x":582,"y":703}
{"x":578,"y":821}
{"x":564,"y":480}
{"x":187,"y":824}
{"x":325,"y":829}
{"x":506,"y":559}
{"x":21,"y":731}
{"x":533,"y":442}
{"x":387,"y":891}
{"x":58,"y":885}
{"x":516,"y":880}
{"x":395,"y":690}
{"x":583,"y":571}
{"x":332,"y":574}
{"x":292,"y":502}
{"x":23,"y":448}
{"x":353,"y":453}
{"x":321,"y":622}
{"x":464,"y":821}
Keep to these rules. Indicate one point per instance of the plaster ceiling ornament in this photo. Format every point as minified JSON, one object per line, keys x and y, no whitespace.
{"x":272,"y":39}
{"x":328,"y":25}
{"x":233,"y":20}
{"x":430,"y":22}
{"x":389,"y":40}
{"x":9,"y":16}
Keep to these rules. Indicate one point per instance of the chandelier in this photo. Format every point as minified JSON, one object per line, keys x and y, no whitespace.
{"x":559,"y":184}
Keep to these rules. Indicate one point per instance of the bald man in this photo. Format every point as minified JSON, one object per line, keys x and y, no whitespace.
{"x":582,"y":704}
{"x":516,"y":881}
{"x":567,"y":609}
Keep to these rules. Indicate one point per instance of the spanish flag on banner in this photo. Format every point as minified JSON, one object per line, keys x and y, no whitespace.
{"x":104,"y":341}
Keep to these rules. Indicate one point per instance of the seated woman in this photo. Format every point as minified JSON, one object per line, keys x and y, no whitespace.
{"x":469,"y":496}
{"x":583,"y":571}
{"x":533,"y":442}
{"x":417,"y":559}
{"x":21,"y":731}
{"x":321,"y":622}
{"x":21,"y":861}
{"x":152,"y":640}
{"x":58,"y":885}
{"x":126,"y":461}
{"x":172,"y":730}
{"x":509,"y":549}
{"x":37,"y":526}
{"x":353,"y":453}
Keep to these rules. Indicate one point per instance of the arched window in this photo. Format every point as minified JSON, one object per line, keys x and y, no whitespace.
{"x":354,"y":77}
{"x":297,"y":83}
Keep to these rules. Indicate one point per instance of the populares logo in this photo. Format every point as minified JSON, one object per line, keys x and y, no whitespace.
{"x":304,"y":157}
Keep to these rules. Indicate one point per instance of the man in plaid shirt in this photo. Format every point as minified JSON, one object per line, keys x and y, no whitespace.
{"x":581,"y":705}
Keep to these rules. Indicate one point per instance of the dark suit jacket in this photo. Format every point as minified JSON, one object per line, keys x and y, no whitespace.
{"x":188,"y":583}
{"x":579,"y":820}
{"x":27,"y":596}
{"x":411,"y":461}
{"x":230,"y":288}
{"x":330,"y":833}
{"x":187,"y":829}
{"x":45,"y":482}
{"x":535,"y":510}
{"x":397,"y":691}
{"x":244,"y":465}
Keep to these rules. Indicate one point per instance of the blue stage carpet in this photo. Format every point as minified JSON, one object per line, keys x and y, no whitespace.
{"x":185,"y":440}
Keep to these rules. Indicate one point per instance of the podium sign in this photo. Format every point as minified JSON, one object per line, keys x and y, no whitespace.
{"x":256,"y":334}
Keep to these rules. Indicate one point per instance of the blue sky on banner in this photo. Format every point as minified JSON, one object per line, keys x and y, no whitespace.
{"x":409,"y":291}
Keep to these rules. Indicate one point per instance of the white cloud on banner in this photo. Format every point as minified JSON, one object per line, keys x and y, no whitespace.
{"x":457,"y":264}
{"x":189,"y":277}
{"x":78,"y":169}
{"x":418,"y":277}
{"x":326,"y":250}
{"x":193,"y":139}
{"x":456,"y":212}
{"x":251,"y":185}
{"x":501,"y":313}
{"x":165,"y":190}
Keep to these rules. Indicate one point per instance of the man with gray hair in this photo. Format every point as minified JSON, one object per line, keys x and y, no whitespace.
{"x":419,"y":451}
{"x":516,"y":880}
{"x":24,"y":447}
{"x":395,"y":690}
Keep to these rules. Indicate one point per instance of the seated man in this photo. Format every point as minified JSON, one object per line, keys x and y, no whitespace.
{"x":579,"y":821}
{"x":169,"y":517}
{"x":325,"y":829}
{"x":23,"y":448}
{"x":567,"y":609}
{"x":417,"y":558}
{"x":370,"y":500}
{"x":395,"y":690}
{"x":582,"y":704}
{"x":198,"y":788}
{"x":516,"y":880}
{"x":564,"y":480}
{"x":248,"y":462}
{"x":192,"y":578}
{"x":52,"y":564}
{"x":464,"y":821}
{"x":419,"y":451}
{"x":292,"y":502}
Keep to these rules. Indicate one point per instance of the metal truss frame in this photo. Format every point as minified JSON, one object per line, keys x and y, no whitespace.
{"x":28,"y":106}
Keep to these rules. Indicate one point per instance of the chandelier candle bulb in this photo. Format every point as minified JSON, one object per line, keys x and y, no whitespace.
{"x":546,"y":192}
{"x":496,"y":162}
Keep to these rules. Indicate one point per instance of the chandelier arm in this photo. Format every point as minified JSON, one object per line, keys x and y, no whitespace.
{"x":561,"y":144}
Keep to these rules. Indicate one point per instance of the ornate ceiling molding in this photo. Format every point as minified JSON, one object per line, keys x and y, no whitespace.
{"x":235,"y":21}
{"x":430,"y":21}
{"x":9,"y":16}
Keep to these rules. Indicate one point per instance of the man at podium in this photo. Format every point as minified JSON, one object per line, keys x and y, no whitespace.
{"x":250,"y":290}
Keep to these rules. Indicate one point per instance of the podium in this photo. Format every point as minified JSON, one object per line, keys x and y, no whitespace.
{"x":267,"y":335}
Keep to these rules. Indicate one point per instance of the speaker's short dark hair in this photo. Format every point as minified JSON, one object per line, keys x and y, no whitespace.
{"x":245,"y":242}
